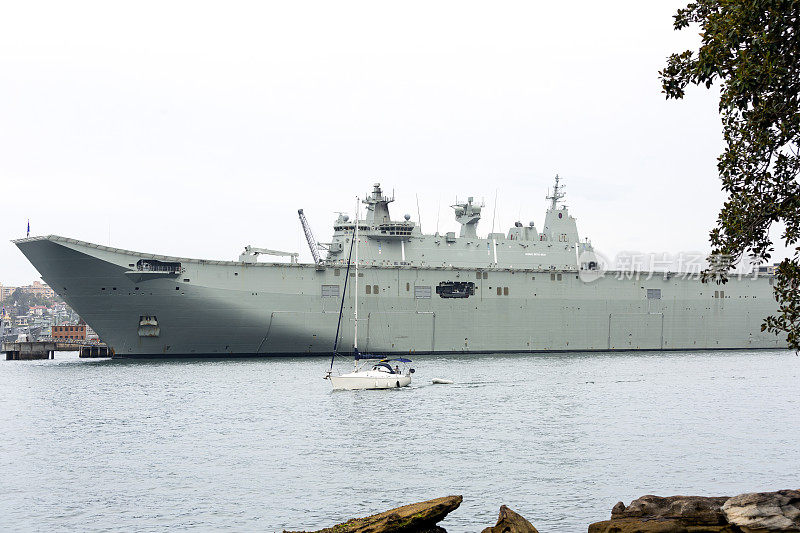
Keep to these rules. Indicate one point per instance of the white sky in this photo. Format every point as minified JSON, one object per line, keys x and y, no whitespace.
{"x":194,"y":128}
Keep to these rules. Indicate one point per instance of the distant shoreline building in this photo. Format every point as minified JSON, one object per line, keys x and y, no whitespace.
{"x":37,"y":288}
{"x":6,"y":291}
{"x":69,"y":331}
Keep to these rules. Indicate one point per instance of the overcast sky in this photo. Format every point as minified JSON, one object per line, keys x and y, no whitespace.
{"x":193,"y":128}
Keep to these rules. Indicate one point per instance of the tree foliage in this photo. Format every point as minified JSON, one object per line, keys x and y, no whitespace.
{"x":751,"y":49}
{"x":22,"y":299}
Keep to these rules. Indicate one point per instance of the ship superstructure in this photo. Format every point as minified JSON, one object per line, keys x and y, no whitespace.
{"x":519,"y":291}
{"x":391,"y":243}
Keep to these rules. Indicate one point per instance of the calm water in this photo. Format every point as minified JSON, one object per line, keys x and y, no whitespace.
{"x":263,"y":444}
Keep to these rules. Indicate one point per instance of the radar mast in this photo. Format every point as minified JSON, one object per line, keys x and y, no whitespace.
{"x":468,"y":215}
{"x":377,"y":206}
{"x":558,"y":194}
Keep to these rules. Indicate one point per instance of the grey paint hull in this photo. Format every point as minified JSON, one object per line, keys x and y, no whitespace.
{"x":222,"y":308}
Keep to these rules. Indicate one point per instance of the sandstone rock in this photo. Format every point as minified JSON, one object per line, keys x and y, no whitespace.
{"x":510,"y":522}
{"x":674,"y":514}
{"x":415,"y":518}
{"x":765,"y":511}
{"x":639,"y":525}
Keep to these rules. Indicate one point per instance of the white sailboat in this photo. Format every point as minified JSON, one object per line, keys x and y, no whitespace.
{"x":381,"y":375}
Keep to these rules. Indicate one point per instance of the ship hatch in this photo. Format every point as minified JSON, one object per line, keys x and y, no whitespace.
{"x":147,"y":269}
{"x":148,"y":326}
{"x":152,"y":265}
{"x":455,"y":289}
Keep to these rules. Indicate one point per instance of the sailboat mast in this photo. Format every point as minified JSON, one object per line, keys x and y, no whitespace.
{"x":355,"y":303}
{"x":341,"y":303}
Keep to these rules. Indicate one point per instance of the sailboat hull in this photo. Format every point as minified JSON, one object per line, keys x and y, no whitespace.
{"x":367,"y":382}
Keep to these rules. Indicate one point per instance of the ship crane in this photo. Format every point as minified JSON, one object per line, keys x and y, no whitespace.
{"x":312,"y":243}
{"x":251,"y":253}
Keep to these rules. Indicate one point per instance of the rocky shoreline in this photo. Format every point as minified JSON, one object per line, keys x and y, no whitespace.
{"x":755,"y":512}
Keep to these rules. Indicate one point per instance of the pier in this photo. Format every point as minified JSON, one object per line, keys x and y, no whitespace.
{"x":29,"y":350}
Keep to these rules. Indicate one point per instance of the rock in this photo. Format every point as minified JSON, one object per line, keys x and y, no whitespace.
{"x":415,"y":518}
{"x":510,"y":522}
{"x":700,"y":510}
{"x":765,"y":511}
{"x":674,"y":514}
{"x":638,"y":525}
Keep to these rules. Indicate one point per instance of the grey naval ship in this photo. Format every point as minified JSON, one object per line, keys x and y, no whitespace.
{"x":520,"y":291}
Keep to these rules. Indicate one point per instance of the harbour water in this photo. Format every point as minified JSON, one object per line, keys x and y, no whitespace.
{"x":263,"y":444}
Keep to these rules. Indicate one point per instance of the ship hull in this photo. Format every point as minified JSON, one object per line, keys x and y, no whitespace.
{"x":351,"y":382}
{"x":227,"y":308}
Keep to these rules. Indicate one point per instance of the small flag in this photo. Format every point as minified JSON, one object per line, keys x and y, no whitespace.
{"x":29,"y":228}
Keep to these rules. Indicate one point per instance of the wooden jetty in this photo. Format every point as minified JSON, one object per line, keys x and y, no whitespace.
{"x":27,"y":350}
